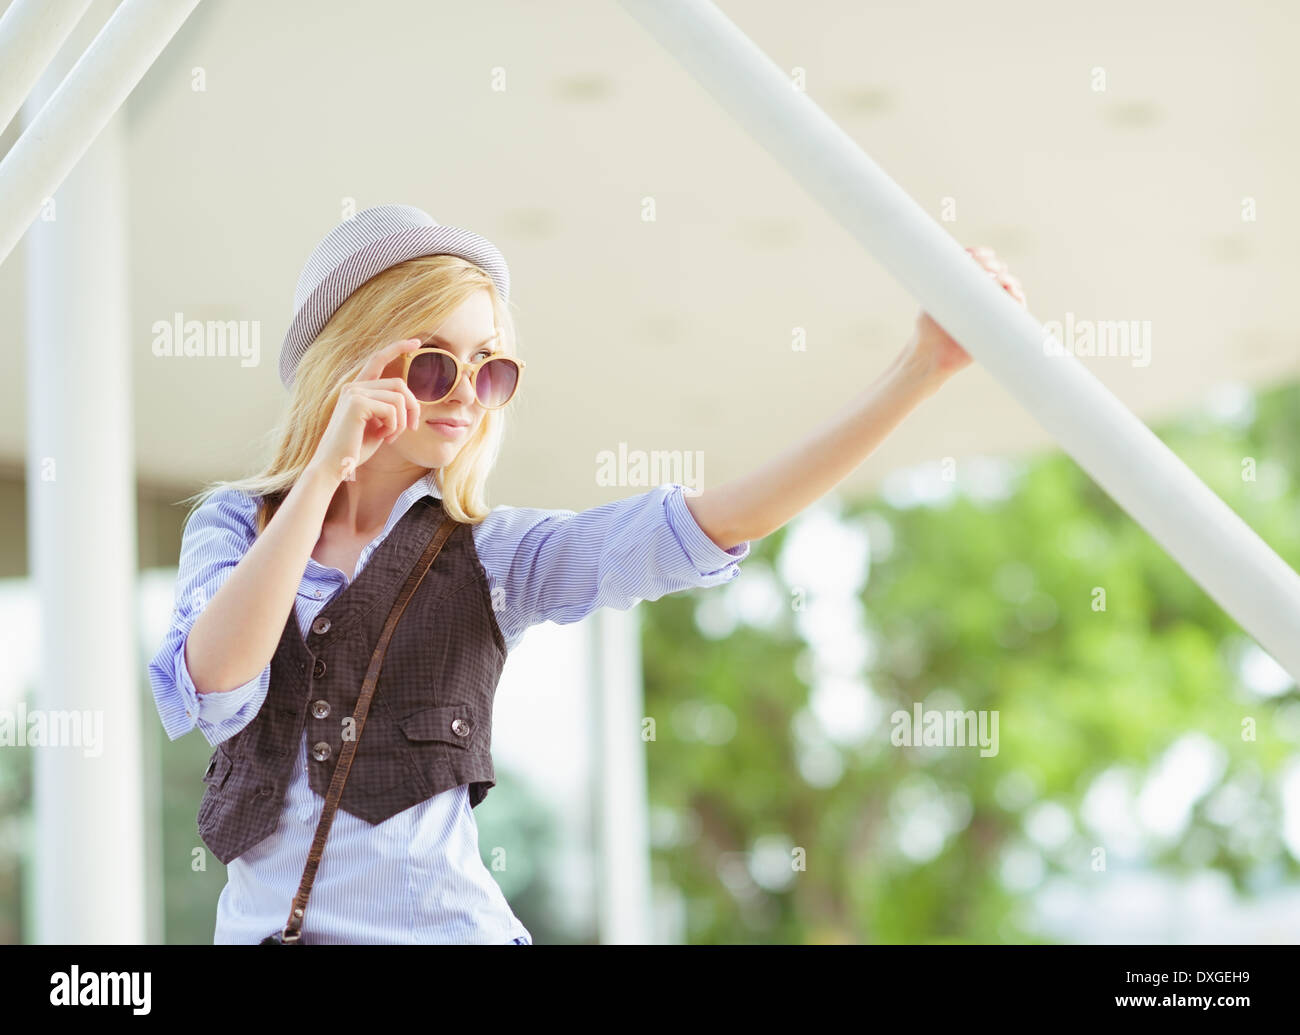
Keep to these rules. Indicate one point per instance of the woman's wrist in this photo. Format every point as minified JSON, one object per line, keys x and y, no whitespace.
{"x":319,"y":476}
{"x":919,"y":368}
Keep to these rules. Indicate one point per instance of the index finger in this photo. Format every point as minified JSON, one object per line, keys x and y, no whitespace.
{"x":375,"y":365}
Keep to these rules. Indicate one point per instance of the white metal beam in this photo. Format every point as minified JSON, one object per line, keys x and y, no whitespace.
{"x":31,"y":33}
{"x":1212,"y":544}
{"x":81,"y":107}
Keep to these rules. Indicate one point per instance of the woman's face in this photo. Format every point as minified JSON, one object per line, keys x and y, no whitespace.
{"x":469,"y":334}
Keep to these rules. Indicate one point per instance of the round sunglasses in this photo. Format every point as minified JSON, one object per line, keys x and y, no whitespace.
{"x":432,"y":374}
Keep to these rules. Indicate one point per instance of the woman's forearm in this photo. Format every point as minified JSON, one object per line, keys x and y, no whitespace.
{"x":760,"y":502}
{"x":236,"y":635}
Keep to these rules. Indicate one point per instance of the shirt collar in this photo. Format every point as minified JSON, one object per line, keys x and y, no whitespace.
{"x":430,"y":483}
{"x":417,"y":490}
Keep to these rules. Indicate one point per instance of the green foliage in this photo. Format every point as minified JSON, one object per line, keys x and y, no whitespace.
{"x":984,"y":605}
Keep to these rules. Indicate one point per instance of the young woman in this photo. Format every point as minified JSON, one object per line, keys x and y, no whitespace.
{"x":400,"y":362}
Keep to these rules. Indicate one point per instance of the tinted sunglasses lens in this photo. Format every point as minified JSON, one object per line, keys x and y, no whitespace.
{"x":430,"y":376}
{"x":497,"y":380}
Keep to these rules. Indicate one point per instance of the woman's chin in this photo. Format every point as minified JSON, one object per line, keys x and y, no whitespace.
{"x":439,"y":455}
{"x":425,"y":454}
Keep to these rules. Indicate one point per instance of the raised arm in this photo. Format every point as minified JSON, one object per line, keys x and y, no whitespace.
{"x":560,"y":565}
{"x":216,"y":537}
{"x":762,"y":501}
{"x":234,"y":592}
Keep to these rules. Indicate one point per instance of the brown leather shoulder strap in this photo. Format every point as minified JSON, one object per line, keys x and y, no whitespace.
{"x":293,"y":927}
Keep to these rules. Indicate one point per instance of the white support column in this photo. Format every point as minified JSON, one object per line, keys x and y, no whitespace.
{"x":87,"y":877}
{"x":623,"y":895}
{"x":80,"y":108}
{"x":1205,"y":536}
{"x":31,"y":33}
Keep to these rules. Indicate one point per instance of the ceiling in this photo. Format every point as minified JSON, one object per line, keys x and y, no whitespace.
{"x":1115,"y":204}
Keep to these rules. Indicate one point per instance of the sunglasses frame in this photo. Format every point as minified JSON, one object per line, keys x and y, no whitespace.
{"x":461,"y":369}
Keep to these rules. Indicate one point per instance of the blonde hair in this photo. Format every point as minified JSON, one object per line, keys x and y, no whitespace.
{"x":407,"y":299}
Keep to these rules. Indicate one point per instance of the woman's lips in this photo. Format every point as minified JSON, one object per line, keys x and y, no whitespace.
{"x":450,"y":428}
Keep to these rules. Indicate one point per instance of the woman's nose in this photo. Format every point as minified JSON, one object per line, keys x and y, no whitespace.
{"x":465,"y":390}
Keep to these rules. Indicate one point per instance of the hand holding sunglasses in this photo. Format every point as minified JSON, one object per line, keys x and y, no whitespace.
{"x":366,"y":415}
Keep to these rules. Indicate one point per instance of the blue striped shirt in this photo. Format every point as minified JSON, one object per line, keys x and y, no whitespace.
{"x":417,"y":877}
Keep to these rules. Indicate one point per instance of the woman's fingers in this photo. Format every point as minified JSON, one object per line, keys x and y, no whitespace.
{"x":392,"y":389}
{"x":998,"y":269}
{"x":376,"y":364}
{"x":1013,"y":286}
{"x":988,"y":258}
{"x":399,"y":384}
{"x":385,"y":405}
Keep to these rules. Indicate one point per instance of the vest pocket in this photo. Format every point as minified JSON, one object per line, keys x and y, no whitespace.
{"x":214,"y":779}
{"x":451,"y":724}
{"x":218,"y":770}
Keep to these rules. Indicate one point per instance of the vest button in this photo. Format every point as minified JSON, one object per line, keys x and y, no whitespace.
{"x":321,"y":626}
{"x":320,"y":751}
{"x":320,"y":709}
{"x":460,"y":727}
{"x":319,"y":669}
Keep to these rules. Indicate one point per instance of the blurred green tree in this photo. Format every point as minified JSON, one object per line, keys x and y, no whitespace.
{"x":990,"y":604}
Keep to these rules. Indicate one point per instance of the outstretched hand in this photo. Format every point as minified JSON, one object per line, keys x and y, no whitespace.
{"x":933,"y":345}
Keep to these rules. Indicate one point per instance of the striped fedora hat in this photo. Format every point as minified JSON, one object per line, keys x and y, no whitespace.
{"x":363,"y":246}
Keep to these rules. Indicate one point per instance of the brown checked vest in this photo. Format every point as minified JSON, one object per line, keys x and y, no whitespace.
{"x":429,"y":727}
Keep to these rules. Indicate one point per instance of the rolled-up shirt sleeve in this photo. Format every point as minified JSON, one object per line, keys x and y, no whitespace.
{"x":216,"y":538}
{"x":561,"y":565}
